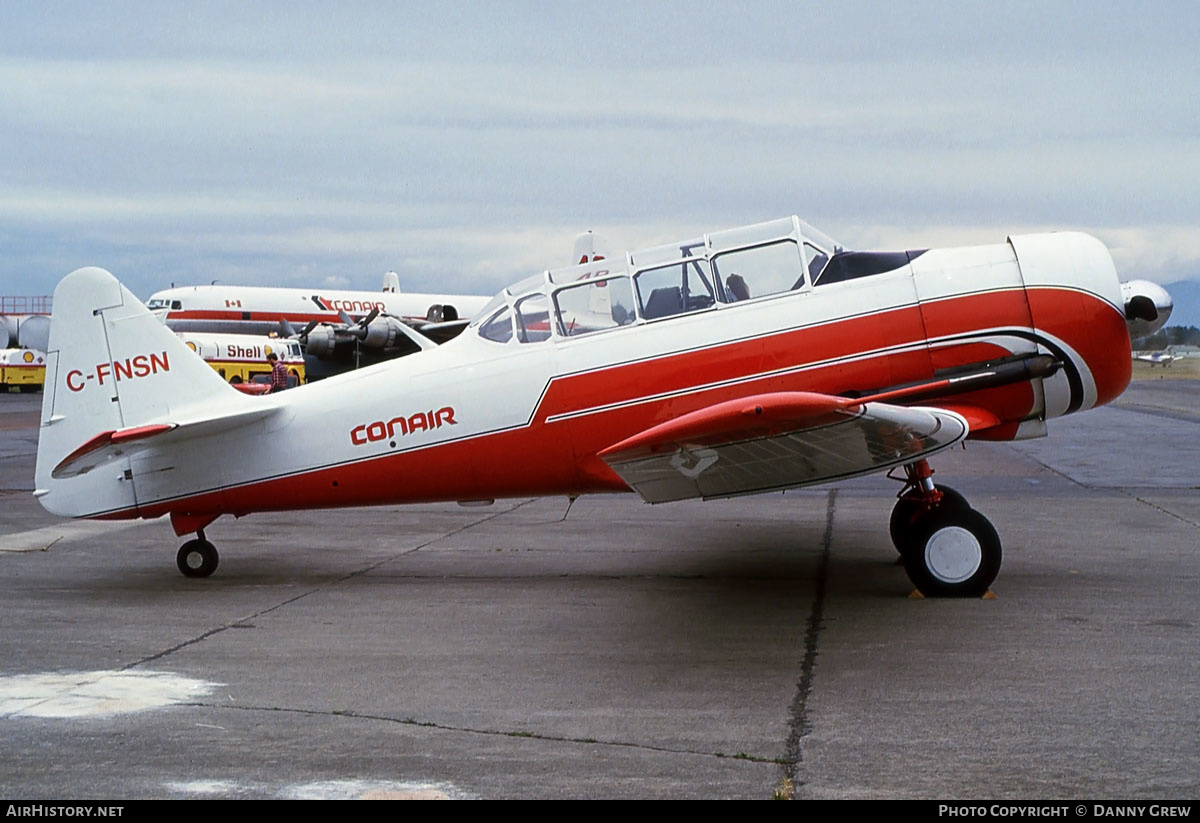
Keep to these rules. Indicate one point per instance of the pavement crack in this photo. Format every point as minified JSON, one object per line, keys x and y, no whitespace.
{"x":1124,"y":491}
{"x":348,"y":576}
{"x":44,"y":548}
{"x":1167,"y":512}
{"x":1052,"y":469}
{"x":379,"y":563}
{"x":514,"y":733}
{"x":1169,"y":412}
{"x":799,"y":723}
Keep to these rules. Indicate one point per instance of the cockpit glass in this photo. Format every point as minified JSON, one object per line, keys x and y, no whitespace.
{"x":816,"y":261}
{"x":819,"y":238}
{"x":498,"y":327}
{"x":488,"y":310}
{"x":675,"y":289}
{"x":723,"y":267}
{"x":594,"y":305}
{"x":759,"y":270}
{"x":533,"y":318}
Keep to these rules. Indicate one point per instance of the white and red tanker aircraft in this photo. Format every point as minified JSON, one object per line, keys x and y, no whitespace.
{"x":745,"y":361}
{"x":221,"y":309}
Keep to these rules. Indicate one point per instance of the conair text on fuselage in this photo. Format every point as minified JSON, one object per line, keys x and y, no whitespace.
{"x":131,"y":368}
{"x":421,"y":421}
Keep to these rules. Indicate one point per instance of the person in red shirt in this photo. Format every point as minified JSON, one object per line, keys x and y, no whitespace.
{"x":279,"y":374}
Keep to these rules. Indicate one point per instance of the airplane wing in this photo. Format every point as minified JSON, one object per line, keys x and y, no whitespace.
{"x":778,"y":441}
{"x":110,"y":445}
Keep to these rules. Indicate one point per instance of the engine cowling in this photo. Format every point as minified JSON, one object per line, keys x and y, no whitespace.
{"x":1147,"y":307}
{"x":320,"y":341}
{"x":381,"y":333}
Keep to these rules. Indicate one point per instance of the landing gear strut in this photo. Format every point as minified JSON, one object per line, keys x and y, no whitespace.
{"x":948,"y":548}
{"x":197,"y":558}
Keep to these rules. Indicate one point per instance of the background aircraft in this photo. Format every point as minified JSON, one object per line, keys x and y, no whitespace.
{"x":745,"y":361}
{"x":1162,"y":358}
{"x":339,"y":329}
{"x":258,"y":309}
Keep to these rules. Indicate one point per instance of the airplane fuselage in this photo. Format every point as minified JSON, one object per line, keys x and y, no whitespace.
{"x":479,"y":419}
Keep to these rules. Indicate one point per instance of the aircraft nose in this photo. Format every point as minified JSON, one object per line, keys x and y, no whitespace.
{"x":1147,"y":307}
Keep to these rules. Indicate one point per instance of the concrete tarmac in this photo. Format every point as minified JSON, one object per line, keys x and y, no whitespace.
{"x":756,"y":647}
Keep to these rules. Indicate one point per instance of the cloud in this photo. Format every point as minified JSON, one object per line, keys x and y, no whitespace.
{"x":466,"y":151}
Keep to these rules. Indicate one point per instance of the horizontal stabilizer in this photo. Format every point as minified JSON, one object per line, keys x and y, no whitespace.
{"x":118,"y":385}
{"x":777,"y":441}
{"x":109,"y":445}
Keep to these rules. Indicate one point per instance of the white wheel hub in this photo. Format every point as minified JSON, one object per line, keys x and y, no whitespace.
{"x":953,"y":554}
{"x":195,"y":560}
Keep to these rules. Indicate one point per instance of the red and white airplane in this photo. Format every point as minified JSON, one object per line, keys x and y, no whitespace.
{"x":745,"y":361}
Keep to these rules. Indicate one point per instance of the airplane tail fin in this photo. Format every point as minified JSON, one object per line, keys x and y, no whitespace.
{"x":112,"y":369}
{"x":589,"y":247}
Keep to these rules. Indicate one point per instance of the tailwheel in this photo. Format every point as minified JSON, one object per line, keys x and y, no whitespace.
{"x":911,"y":510}
{"x":956,"y":553}
{"x":197,"y":558}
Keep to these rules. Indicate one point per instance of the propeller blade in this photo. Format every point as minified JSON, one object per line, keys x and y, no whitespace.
{"x":366,"y":321}
{"x":286,"y":327}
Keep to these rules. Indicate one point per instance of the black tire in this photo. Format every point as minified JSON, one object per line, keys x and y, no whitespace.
{"x":905,"y":524}
{"x":233,"y":381}
{"x":197,"y":558}
{"x":957,"y":554}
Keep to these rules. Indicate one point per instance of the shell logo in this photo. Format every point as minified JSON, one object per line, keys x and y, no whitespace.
{"x":28,"y":357}
{"x":191,"y":345}
{"x":268,"y":348}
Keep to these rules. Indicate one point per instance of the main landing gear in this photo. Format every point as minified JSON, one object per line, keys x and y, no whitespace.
{"x":197,"y":558}
{"x":948,"y":548}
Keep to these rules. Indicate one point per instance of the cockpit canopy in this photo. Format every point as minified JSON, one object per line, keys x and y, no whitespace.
{"x":716,"y":270}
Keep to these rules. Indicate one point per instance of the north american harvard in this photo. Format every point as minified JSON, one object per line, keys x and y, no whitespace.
{"x":744,"y":361}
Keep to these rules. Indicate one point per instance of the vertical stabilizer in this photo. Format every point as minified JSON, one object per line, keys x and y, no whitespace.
{"x":110,"y":366}
{"x":589,"y":247}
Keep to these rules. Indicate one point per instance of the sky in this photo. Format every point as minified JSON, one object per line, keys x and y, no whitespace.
{"x":464,"y":145}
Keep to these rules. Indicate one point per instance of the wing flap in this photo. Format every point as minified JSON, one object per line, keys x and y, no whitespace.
{"x":777,"y":441}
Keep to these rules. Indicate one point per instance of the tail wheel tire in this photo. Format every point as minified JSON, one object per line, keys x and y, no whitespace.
{"x":197,"y":558}
{"x":957,"y":554}
{"x":905,"y":523}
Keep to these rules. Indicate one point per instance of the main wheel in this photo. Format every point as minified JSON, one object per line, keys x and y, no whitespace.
{"x":905,"y":522}
{"x":956,"y":554}
{"x":197,"y":558}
